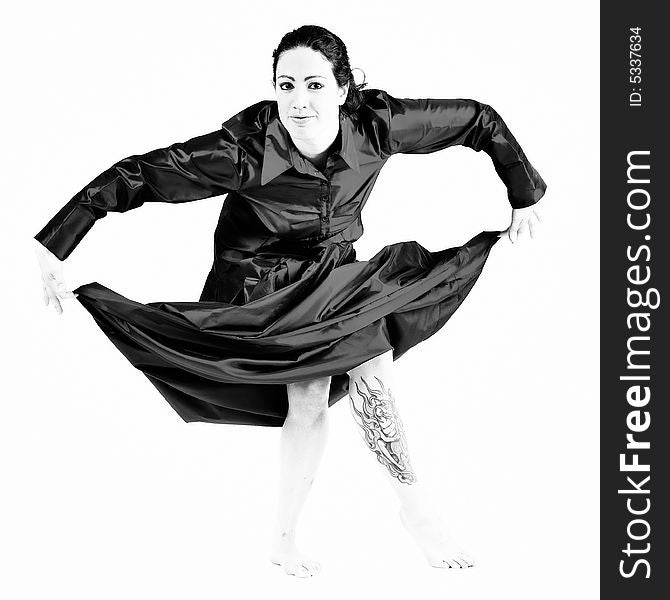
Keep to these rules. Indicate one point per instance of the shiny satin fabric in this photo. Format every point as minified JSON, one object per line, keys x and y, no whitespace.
{"x":286,"y":299}
{"x":223,"y":363}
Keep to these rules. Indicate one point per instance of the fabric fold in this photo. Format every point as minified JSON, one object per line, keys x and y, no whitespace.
{"x":225,"y":363}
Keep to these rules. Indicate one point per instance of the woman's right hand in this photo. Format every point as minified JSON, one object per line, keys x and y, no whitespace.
{"x":53,"y":283}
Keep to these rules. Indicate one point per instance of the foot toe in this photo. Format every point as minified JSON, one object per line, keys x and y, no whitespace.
{"x":467,"y":560}
{"x":306,"y":571}
{"x":312,"y":565}
{"x":441,"y":564}
{"x":299,"y":571}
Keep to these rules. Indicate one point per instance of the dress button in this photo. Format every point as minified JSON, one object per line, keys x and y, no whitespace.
{"x":324,"y":219}
{"x":324,"y":197}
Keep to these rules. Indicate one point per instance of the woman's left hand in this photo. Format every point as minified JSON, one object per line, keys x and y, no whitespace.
{"x":523,"y":220}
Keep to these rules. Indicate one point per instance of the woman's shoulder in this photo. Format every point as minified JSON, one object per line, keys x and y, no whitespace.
{"x":251,"y":120}
{"x":374,"y":98}
{"x":375,"y":105}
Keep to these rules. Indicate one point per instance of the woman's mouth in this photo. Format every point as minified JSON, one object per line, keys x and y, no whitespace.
{"x":301,"y":119}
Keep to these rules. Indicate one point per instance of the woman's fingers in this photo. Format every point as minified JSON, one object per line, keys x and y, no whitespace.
{"x":55,"y":291}
{"x":514,"y":230}
{"x":63,"y":292}
{"x":522,"y":227}
{"x":523,"y":220}
{"x":55,"y":301}
{"x":58,"y":286}
{"x":54,"y":288}
{"x":533,"y":223}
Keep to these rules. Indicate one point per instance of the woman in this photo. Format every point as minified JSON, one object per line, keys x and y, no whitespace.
{"x":289,"y":321}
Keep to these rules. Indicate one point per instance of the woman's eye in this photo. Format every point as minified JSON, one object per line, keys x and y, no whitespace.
{"x":314,"y":85}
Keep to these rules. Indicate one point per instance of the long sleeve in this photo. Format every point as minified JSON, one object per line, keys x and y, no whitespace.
{"x":419,"y":126}
{"x":204,"y":166}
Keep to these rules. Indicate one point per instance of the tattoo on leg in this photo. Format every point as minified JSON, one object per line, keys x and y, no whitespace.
{"x":384,"y":433}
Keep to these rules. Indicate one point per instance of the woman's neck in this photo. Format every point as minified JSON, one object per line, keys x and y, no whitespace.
{"x":316,"y":150}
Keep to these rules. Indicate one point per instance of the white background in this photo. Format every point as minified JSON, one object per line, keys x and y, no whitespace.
{"x":109,"y":494}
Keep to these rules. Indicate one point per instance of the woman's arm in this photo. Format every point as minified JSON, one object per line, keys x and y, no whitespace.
{"x":204,"y":166}
{"x":419,"y":126}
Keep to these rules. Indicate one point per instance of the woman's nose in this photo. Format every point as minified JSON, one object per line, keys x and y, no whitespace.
{"x":299,"y":100}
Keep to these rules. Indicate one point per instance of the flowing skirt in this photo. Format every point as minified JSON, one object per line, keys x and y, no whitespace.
{"x":221,"y":362}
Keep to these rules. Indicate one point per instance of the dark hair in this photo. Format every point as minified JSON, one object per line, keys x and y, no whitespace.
{"x":333,"y":49}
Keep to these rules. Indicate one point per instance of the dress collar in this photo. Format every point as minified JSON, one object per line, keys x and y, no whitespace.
{"x":281,"y":153}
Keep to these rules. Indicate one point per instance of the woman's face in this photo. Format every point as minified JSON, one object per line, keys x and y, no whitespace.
{"x":306,"y":87}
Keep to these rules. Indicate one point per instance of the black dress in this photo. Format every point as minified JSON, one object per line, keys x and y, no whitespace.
{"x":286,"y":300}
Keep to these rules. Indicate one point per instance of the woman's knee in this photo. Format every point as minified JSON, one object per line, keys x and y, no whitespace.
{"x":308,"y":399}
{"x":377,"y":365}
{"x":374,"y":376}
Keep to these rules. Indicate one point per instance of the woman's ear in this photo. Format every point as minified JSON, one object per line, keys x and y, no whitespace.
{"x":344,"y":92}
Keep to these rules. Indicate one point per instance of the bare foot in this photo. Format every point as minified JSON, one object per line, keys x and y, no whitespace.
{"x":430,"y":534}
{"x":294,"y":562}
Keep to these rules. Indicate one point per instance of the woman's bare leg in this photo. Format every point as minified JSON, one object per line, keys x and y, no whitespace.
{"x":374,"y":408}
{"x":303,"y":439}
